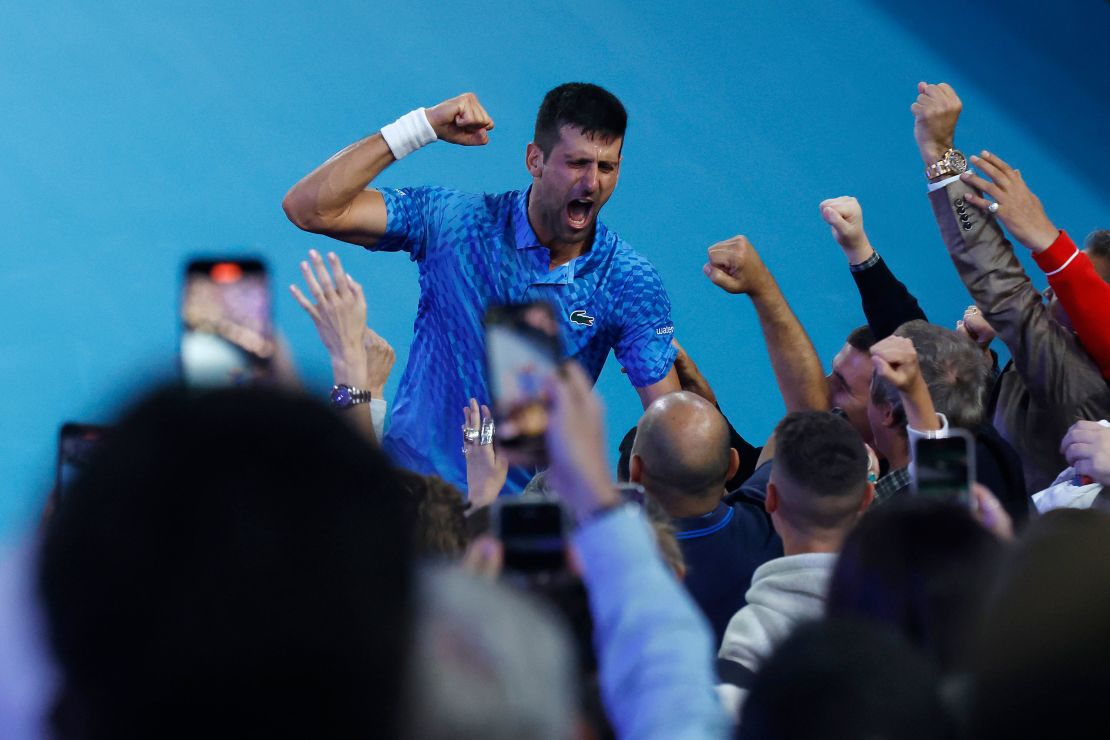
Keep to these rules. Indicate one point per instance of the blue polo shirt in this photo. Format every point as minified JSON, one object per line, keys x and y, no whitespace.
{"x":476,"y":250}
{"x":722,"y":549}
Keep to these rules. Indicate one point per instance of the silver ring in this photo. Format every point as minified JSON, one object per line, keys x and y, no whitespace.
{"x":993,"y":207}
{"x":470,"y":434}
{"x":486,"y":436}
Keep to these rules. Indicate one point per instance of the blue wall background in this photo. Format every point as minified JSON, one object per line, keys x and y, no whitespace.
{"x":137,"y":133}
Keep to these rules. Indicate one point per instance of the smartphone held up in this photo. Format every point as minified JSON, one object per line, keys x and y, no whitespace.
{"x":227,"y":334}
{"x":523,"y":350}
{"x":944,"y":468}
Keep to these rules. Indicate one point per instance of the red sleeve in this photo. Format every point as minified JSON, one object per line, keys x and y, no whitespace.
{"x":1084,"y":295}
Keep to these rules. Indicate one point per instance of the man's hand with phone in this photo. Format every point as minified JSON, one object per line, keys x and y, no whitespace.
{"x":576,"y":448}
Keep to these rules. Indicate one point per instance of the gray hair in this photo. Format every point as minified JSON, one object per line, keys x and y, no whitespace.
{"x":487,"y":664}
{"x":955,"y":369}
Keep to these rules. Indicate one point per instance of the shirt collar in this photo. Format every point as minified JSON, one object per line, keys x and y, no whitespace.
{"x":523,"y":235}
{"x":692,"y":527}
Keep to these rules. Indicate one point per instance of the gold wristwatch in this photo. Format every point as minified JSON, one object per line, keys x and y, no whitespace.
{"x":952,"y":162}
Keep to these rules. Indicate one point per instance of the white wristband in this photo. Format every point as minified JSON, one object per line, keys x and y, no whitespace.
{"x":408,"y":133}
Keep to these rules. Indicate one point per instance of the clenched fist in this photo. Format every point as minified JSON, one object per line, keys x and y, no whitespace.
{"x":735,"y":267}
{"x":461,"y":120}
{"x":895,"y":359}
{"x":845,"y":217}
{"x":935,"y":113}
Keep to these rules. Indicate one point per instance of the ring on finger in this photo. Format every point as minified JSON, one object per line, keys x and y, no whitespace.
{"x":470,"y":434}
{"x":993,"y":207}
{"x":486,"y":434}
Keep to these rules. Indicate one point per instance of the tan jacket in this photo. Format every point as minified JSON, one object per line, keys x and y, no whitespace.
{"x":1052,"y":382}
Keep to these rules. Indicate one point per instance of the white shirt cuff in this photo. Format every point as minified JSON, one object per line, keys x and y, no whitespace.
{"x":378,"y":407}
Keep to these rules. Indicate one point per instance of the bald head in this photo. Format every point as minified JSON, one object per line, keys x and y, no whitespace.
{"x":682,"y":446}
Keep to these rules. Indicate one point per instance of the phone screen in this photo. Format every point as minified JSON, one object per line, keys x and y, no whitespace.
{"x":533,"y":534}
{"x":76,"y":443}
{"x":522,"y":352}
{"x":944,"y":468}
{"x":227,"y":331}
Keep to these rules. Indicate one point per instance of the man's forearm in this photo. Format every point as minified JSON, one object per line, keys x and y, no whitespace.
{"x":920,"y":412}
{"x":798,"y":371}
{"x":318,"y":202}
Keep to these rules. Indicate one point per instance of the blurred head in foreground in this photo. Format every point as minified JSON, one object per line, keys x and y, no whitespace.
{"x":232,"y":563}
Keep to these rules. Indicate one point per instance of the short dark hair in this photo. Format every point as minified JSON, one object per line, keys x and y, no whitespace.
{"x":844,"y":680}
{"x":591,"y":109}
{"x":922,"y":567}
{"x":956,"y":370}
{"x":440,"y":514}
{"x":1098,"y":243}
{"x":861,"y":338}
{"x":822,"y":453}
{"x":240,"y":557}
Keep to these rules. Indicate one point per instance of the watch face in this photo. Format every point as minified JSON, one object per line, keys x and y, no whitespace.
{"x":956,"y":160}
{"x":341,"y":396}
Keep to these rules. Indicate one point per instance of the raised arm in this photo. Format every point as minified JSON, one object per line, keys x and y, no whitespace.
{"x":735,"y":267}
{"x":887,"y":303}
{"x":360,"y":359}
{"x":655,"y":651}
{"x":333,"y":199}
{"x":1084,"y":295}
{"x":1053,"y":366}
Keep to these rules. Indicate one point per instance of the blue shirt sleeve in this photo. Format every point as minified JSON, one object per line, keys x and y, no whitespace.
{"x":413,"y":219}
{"x":655,"y":653}
{"x":644,"y":348}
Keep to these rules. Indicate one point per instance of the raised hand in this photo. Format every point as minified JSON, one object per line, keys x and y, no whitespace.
{"x":379,"y":361}
{"x":461,"y":120}
{"x":735,"y":267}
{"x":1018,"y":209}
{"x":689,"y":377}
{"x":339,"y":313}
{"x":845,"y":217}
{"x":486,"y":471}
{"x":1087,"y":449}
{"x":576,"y":449}
{"x":935,"y":113}
{"x":989,"y":512}
{"x":975,"y":327}
{"x":895,"y":359}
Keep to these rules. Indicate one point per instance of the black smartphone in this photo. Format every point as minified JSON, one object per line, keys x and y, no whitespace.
{"x":945,"y":468}
{"x":533,"y":532}
{"x":76,"y":443}
{"x":227,"y":333}
{"x":523,"y":350}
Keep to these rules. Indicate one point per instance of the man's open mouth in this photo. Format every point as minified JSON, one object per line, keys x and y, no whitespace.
{"x":578,"y":212}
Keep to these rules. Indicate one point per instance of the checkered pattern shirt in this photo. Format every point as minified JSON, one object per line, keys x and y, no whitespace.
{"x":892,"y":484}
{"x":475,"y":250}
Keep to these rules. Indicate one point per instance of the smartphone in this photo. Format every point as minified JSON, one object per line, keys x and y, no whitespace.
{"x":76,"y":443}
{"x":523,"y":350}
{"x":533,"y":531}
{"x":227,"y":333}
{"x":945,"y":468}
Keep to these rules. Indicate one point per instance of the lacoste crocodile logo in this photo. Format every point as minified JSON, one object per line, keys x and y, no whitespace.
{"x":582,"y":318}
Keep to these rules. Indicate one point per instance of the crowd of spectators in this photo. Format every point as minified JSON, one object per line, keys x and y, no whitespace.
{"x":250,"y":563}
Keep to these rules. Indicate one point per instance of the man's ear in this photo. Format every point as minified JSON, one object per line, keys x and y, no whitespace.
{"x":635,"y":469}
{"x":771,"y":503}
{"x":886,"y":414}
{"x":533,"y":159}
{"x":733,"y":463}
